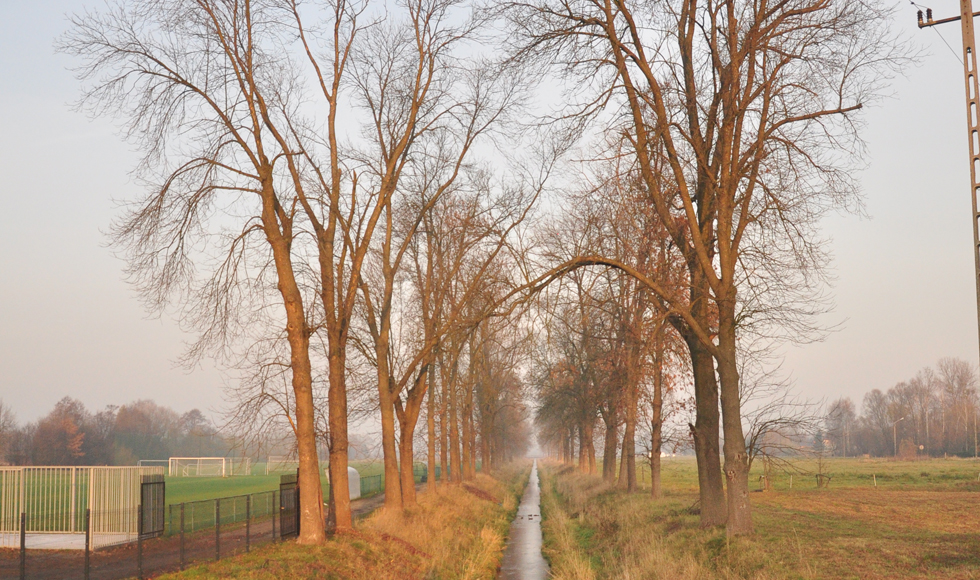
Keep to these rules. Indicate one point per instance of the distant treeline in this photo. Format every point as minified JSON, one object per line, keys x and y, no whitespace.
{"x":72,"y":435}
{"x":932,"y":414}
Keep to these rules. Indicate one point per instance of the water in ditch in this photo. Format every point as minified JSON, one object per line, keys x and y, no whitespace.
{"x":522,"y":556}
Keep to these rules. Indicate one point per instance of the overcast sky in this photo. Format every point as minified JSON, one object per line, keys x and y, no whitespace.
{"x":69,"y":325}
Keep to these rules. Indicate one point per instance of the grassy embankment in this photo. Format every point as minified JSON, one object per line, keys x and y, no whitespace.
{"x":457,"y":534}
{"x":920,"y":522}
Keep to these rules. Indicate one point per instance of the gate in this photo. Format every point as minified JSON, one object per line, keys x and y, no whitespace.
{"x":152,"y":502}
{"x":288,"y":506}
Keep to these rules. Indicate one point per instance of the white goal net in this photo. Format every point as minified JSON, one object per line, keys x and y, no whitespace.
{"x":281,"y":464}
{"x":198,"y":467}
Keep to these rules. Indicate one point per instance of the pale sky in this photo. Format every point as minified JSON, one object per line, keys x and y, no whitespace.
{"x":69,"y":325}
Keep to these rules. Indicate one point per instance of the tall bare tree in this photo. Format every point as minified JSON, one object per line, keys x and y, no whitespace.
{"x":203,"y":88}
{"x":748,"y":108}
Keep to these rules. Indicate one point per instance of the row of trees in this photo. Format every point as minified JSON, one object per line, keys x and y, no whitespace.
{"x":610,"y":356}
{"x":316,"y":206}
{"x":72,"y":435}
{"x":340,"y":198}
{"x":934,"y":414}
{"x":736,"y":124}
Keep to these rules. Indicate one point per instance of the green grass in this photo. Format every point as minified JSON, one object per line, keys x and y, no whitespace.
{"x":187,"y":489}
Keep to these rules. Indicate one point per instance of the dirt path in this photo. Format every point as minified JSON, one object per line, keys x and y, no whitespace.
{"x":362,"y":508}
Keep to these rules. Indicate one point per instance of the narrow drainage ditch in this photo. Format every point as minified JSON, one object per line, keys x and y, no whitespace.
{"x":522,"y":556}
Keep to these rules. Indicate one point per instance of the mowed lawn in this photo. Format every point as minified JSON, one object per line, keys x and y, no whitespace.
{"x":187,"y":489}
{"x":922,"y":521}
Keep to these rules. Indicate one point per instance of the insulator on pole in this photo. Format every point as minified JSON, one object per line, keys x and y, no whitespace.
{"x":929,"y":14}
{"x":920,"y":17}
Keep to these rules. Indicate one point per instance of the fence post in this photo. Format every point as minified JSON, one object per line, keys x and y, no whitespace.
{"x":217,"y":529}
{"x":248,"y":523}
{"x":139,"y":541}
{"x":275,"y":514}
{"x":181,"y":536}
{"x":88,"y":542}
{"x":23,"y":546}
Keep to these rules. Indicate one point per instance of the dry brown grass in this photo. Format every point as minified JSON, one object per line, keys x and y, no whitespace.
{"x":594,"y":532}
{"x":452,"y":534}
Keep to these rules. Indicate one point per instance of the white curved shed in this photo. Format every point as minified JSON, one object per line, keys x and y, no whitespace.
{"x":354,"y":482}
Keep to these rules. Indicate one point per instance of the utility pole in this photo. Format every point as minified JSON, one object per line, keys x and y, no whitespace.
{"x":972,"y":117}
{"x":895,"y":435}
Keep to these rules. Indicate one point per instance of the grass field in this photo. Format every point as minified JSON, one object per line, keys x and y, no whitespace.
{"x":680,"y":473}
{"x":186,"y":489}
{"x":922,"y":521}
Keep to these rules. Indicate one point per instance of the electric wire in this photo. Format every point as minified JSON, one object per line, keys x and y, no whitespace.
{"x":941,"y":37}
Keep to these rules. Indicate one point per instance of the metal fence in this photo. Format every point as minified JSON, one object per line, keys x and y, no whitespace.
{"x":55,"y":500}
{"x":195,"y":532}
{"x":372,"y":484}
{"x":192,"y":533}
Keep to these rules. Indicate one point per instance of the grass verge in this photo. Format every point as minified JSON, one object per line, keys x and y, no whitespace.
{"x":456,"y":533}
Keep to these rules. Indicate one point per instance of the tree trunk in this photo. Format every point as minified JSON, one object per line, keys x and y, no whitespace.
{"x":609,"y":449}
{"x":444,"y":373}
{"x":593,"y":469}
{"x":627,"y":469}
{"x":341,"y":518}
{"x":454,"y":455}
{"x":586,"y":452}
{"x":467,"y":448}
{"x":431,"y":424}
{"x":656,"y":418}
{"x":408,"y":419}
{"x":393,"y":492}
{"x":443,"y":438}
{"x":311,"y":524}
{"x":470,"y":416}
{"x":705,"y":432}
{"x":736,"y":457}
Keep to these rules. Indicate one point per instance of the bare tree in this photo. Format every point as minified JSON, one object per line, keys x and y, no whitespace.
{"x":8,"y":424}
{"x":206,"y":90}
{"x":749,"y":108}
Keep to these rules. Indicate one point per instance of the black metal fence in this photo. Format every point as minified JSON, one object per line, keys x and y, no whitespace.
{"x":289,"y":506}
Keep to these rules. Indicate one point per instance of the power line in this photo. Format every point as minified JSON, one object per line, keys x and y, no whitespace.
{"x":941,"y":37}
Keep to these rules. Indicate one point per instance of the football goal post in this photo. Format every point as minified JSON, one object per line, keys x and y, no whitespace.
{"x":281,"y":464}
{"x":198,"y":467}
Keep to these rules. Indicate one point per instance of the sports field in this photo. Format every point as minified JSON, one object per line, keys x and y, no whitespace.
{"x":186,"y":489}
